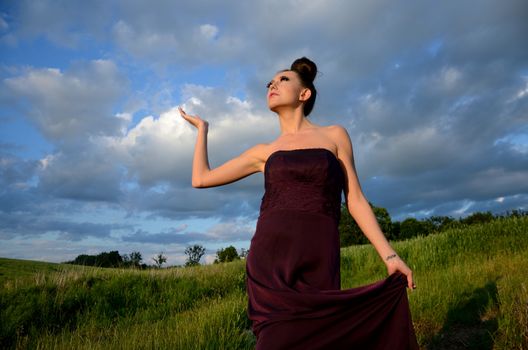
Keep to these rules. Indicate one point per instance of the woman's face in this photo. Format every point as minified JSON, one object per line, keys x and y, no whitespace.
{"x":284,"y":89}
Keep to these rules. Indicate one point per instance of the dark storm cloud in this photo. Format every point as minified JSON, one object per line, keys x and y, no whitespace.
{"x":225,"y":202}
{"x":15,"y":172}
{"x":16,"y":225}
{"x":239,"y":230}
{"x":28,"y":209}
{"x":87,"y":175}
{"x":163,"y":238}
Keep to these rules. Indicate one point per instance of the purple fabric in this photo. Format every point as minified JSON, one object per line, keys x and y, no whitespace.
{"x":295,"y":299}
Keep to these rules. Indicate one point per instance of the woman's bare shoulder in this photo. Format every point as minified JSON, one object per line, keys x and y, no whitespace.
{"x":258,"y":151}
{"x":334,"y":128}
{"x":336,"y":132}
{"x":340,"y":138}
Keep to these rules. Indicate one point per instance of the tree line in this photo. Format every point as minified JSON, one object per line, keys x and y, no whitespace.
{"x":134,"y":260}
{"x":114,"y":259}
{"x":195,"y":253}
{"x":349,"y":233}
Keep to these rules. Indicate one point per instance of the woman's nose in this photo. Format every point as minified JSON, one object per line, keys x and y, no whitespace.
{"x":274,"y":84}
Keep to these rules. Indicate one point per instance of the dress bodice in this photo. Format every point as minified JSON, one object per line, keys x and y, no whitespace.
{"x":306,"y":179}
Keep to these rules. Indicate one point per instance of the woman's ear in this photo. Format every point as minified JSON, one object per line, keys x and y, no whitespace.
{"x":305,"y":94}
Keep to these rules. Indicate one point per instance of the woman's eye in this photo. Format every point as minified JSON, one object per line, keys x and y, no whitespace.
{"x":281,"y":79}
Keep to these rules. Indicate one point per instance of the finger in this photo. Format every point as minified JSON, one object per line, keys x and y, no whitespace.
{"x":410,"y":282}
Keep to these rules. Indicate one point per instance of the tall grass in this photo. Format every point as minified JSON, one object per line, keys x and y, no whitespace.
{"x":472,"y":293}
{"x":102,"y":301}
{"x":471,"y":281}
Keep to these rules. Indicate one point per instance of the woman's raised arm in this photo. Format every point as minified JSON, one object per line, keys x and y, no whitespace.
{"x":245,"y":164}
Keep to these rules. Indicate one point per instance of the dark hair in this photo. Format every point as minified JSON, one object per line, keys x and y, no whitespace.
{"x":306,"y":70}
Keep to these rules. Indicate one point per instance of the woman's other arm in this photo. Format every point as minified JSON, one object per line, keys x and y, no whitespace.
{"x":361,"y":211}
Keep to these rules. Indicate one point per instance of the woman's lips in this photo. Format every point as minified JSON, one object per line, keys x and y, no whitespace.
{"x":273,"y":94}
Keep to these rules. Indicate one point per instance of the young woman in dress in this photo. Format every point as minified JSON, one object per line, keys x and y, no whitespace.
{"x":292,"y":268}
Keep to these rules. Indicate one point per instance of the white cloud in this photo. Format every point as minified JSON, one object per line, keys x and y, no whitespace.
{"x":209,"y":31}
{"x":418,"y":150}
{"x":156,"y":150}
{"x":236,"y":229}
{"x":189,"y":44}
{"x":209,"y":258}
{"x":161,"y":149}
{"x":66,"y":24}
{"x":148,"y":44}
{"x":523,"y":91}
{"x":45,"y":162}
{"x":448,"y":78}
{"x":73,"y":104}
{"x":231,"y":231}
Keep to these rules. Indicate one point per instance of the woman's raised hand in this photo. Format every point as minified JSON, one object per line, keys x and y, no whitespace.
{"x":194,"y":120}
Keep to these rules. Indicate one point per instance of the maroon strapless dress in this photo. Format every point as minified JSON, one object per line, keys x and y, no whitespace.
{"x":295,"y":299}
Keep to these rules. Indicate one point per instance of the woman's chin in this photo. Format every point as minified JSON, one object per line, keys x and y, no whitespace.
{"x":273,"y":108}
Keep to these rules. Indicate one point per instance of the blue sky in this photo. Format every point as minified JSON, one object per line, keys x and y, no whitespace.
{"x":94,"y":157}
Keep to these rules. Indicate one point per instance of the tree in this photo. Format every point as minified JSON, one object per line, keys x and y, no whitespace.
{"x":111,"y":259}
{"x":194,"y":254}
{"x":132,"y":260}
{"x":126,"y":260}
{"x":384,"y":219}
{"x":226,"y":255}
{"x":395,"y":231}
{"x":84,"y":259}
{"x":412,"y":227}
{"x":243,"y":253}
{"x":478,"y":218}
{"x":135,"y":259}
{"x":516,"y":213}
{"x":440,"y":223}
{"x":160,"y":259}
{"x":104,"y":259}
{"x":349,"y":231}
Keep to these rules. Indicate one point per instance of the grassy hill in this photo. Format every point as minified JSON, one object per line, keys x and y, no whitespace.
{"x":472,"y":294}
{"x":12,"y":270}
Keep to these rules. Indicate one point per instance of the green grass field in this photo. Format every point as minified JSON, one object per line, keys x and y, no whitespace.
{"x":472,"y":294}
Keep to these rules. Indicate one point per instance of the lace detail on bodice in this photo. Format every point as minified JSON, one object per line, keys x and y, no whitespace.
{"x":306,"y":179}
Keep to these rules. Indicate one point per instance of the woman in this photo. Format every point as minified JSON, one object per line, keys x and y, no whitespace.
{"x":293,"y":276}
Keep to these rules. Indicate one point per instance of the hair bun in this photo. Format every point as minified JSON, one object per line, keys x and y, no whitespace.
{"x":305,"y":68}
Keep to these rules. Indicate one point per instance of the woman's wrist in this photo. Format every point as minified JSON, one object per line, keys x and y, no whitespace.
{"x":204,"y":127}
{"x":390,"y":257}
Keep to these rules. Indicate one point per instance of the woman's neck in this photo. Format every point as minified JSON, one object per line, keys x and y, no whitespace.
{"x":293,"y":121}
